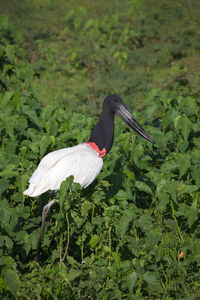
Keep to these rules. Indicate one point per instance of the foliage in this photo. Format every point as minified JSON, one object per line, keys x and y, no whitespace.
{"x":134,"y":233}
{"x":83,"y":51}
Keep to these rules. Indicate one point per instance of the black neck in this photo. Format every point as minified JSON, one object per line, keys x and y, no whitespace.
{"x":103,"y":133}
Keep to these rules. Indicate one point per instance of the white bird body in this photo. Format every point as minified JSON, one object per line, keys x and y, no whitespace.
{"x":80,"y":161}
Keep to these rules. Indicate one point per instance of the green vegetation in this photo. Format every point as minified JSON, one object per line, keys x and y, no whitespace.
{"x":134,"y":233}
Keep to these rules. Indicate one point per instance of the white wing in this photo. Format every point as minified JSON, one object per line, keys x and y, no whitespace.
{"x":81,"y":161}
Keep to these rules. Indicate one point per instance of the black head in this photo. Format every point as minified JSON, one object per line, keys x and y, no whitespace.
{"x":114,"y":104}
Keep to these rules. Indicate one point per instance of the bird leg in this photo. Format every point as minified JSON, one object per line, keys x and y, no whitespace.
{"x":42,"y":228}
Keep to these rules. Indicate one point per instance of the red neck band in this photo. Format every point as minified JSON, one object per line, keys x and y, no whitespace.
{"x":101,"y":153}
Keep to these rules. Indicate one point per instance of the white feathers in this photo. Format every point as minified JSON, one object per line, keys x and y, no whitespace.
{"x":81,"y":161}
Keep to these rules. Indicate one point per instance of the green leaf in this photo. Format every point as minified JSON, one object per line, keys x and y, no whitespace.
{"x":143,"y":187}
{"x":171,"y":188}
{"x":183,"y":124}
{"x":9,"y":127}
{"x":6,"y":212}
{"x":5,"y":101}
{"x":182,"y":145}
{"x":131,"y":281}
{"x":186,"y":189}
{"x":85,"y":208}
{"x":12,"y":281}
{"x":31,"y":114}
{"x":196,"y":174}
{"x":122,"y":195}
{"x":9,"y":171}
{"x":8,"y":242}
{"x":152,"y":280}
{"x":184,"y":162}
{"x":129,"y":174}
{"x":3,"y":185}
{"x":44,"y":144}
{"x":69,"y":276}
{"x":94,"y":241}
{"x":145,"y":222}
{"x":185,"y":128}
{"x":190,"y":213}
{"x":123,"y":223}
{"x":65,"y":186}
{"x":163,"y":201}
{"x":169,"y":166}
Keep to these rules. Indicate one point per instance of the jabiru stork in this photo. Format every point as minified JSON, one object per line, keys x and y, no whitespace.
{"x":84,"y":161}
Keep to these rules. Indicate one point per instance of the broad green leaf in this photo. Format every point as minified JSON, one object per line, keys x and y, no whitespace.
{"x":143,"y":187}
{"x":122,"y":195}
{"x":5,"y":101}
{"x":12,"y":281}
{"x":184,"y":161}
{"x":185,"y":128}
{"x":131,"y":281}
{"x":145,"y":222}
{"x":44,"y":144}
{"x":6,"y":212}
{"x":160,"y":185}
{"x":196,"y":174}
{"x":94,"y":241}
{"x":22,"y":183}
{"x":2,"y":284}
{"x":171,"y":189}
{"x":182,"y":145}
{"x":190,"y":213}
{"x":71,"y":260}
{"x":177,"y":122}
{"x":123,"y":223}
{"x":85,"y":208}
{"x":183,"y":124}
{"x":31,"y":114}
{"x":8,"y":242}
{"x":129,"y":174}
{"x":186,"y":189}
{"x":169,"y":166}
{"x":152,"y":281}
{"x":64,"y":188}
{"x":9,"y":127}
{"x":164,"y":199}
{"x":3,"y":185}
{"x":9,"y":171}
{"x":69,"y":276}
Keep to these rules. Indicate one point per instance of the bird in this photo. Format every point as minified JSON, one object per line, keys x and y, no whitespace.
{"x":84,"y":161}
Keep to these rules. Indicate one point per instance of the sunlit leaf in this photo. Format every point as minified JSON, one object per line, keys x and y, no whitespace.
{"x":94,"y":241}
{"x":143,"y":187}
{"x":44,"y":144}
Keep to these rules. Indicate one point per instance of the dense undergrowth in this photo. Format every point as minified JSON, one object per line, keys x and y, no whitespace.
{"x":134,"y":233}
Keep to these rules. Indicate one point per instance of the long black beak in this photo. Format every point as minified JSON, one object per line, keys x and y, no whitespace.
{"x":125,"y":114}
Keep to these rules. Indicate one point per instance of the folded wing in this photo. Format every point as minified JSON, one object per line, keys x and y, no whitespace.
{"x":80,"y":161}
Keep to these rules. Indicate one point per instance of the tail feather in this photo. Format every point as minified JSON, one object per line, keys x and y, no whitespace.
{"x":33,"y":191}
{"x":29,"y":191}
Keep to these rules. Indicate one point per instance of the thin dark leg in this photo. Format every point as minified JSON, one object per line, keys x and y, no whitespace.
{"x":42,"y":228}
